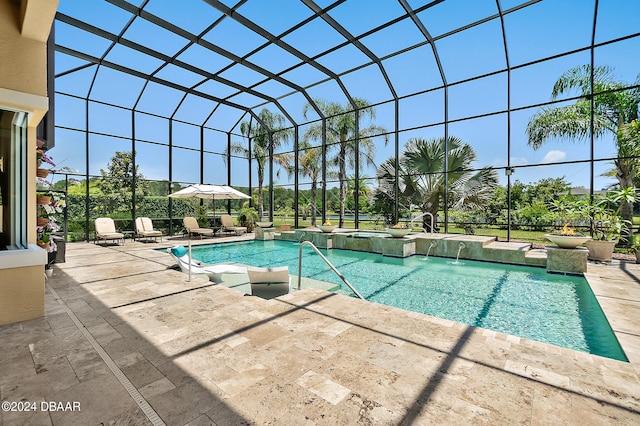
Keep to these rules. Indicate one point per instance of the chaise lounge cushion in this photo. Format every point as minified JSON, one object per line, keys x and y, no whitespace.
{"x":227,"y":225}
{"x":106,"y":230}
{"x":192,"y":227}
{"x":144,"y":229}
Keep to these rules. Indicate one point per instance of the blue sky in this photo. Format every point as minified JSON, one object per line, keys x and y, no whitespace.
{"x":536,"y":32}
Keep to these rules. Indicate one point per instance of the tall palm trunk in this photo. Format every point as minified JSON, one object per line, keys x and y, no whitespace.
{"x":625,"y":173}
{"x":625,"y":179}
{"x":260,"y":189}
{"x":314,"y":186}
{"x":342,"y":177}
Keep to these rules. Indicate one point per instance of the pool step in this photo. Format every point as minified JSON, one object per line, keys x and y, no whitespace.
{"x":344,"y":292}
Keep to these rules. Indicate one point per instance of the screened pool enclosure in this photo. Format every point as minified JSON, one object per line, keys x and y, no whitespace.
{"x":362,"y":112}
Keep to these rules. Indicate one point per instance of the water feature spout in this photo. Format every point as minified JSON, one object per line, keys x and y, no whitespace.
{"x":460,"y":247}
{"x":432,"y":244}
{"x":300,"y":239}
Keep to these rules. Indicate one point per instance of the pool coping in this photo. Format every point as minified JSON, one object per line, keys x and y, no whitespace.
{"x":617,"y":302}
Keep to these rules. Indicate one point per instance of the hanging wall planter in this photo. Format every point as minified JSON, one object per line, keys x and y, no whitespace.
{"x":43,"y":200}
{"x":42,"y":221}
{"x":42,"y":173}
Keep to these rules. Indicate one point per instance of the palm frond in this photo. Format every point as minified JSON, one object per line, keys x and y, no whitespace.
{"x":579,"y":78}
{"x":570,"y":121}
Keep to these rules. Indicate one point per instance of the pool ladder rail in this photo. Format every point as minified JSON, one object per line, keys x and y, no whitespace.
{"x":344,"y":280}
{"x":413,"y":219}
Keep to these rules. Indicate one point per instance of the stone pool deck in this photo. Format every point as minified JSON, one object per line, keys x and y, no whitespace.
{"x":133,"y":342}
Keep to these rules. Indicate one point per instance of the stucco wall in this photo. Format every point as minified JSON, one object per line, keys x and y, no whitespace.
{"x":24,"y":27}
{"x":21,"y":294}
{"x":24,"y":60}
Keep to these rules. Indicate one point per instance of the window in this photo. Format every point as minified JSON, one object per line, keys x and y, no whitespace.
{"x":13,"y":180}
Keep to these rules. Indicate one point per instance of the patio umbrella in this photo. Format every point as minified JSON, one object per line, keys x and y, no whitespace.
{"x":210,"y":192}
{"x":213,"y":192}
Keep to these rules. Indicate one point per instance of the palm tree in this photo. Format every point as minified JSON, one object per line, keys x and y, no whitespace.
{"x":629,"y":146}
{"x":422,"y":180}
{"x":363,"y":188}
{"x":341,"y":135}
{"x":261,"y":143}
{"x":310,"y":160}
{"x":614,"y":109}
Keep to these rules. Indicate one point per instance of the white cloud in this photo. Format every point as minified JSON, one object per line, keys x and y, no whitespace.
{"x":554,"y":156}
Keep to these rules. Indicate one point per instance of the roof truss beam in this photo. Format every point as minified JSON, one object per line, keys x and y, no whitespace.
{"x":139,"y":74}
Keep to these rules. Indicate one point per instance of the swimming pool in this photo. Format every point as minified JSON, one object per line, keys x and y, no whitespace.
{"x":517,"y":300}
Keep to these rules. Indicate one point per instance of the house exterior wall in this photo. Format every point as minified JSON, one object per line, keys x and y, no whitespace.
{"x":24,"y":29}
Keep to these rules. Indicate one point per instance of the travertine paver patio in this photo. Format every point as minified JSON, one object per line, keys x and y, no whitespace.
{"x":203,"y":354}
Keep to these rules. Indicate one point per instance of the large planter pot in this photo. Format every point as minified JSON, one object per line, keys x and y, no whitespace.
{"x":567,"y":241}
{"x":600,"y":250}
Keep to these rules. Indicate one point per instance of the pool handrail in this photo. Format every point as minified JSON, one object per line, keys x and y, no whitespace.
{"x":309,"y":243}
{"x":421,"y":216}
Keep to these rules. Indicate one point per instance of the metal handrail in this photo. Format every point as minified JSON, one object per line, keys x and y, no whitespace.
{"x":344,"y":280}
{"x":421,"y":216}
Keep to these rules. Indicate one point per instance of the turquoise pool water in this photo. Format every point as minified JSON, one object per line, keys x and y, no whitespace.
{"x":517,"y":300}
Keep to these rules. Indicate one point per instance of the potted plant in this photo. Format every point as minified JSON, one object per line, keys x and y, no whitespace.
{"x":606,"y":226}
{"x":43,"y":200}
{"x":56,"y":204}
{"x":42,"y":219}
{"x":44,"y":233}
{"x":42,"y":157}
{"x":247,"y":216}
{"x":201,"y":216}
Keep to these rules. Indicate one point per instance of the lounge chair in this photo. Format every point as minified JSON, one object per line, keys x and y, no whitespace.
{"x":192,"y":227}
{"x":269,"y":282}
{"x":106,"y":231}
{"x":214,"y":272}
{"x":144,"y":229}
{"x":227,"y":225}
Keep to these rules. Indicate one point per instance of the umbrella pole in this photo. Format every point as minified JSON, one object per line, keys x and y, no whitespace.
{"x":189,"y":260}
